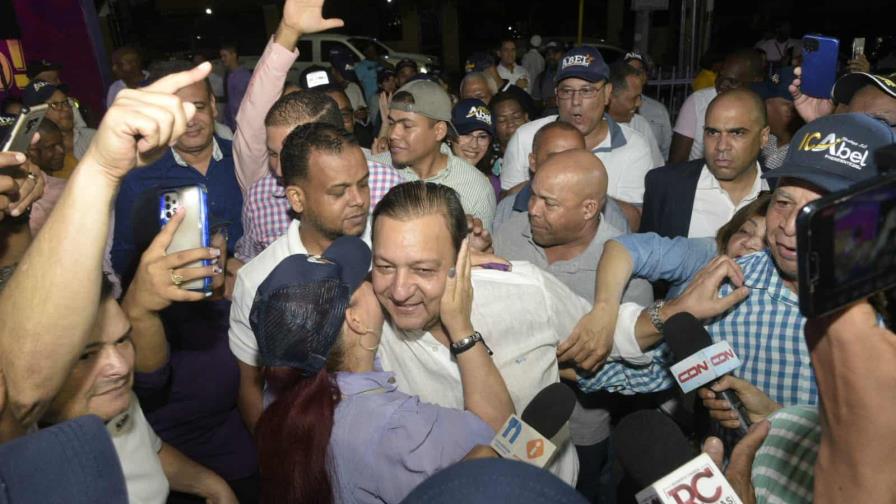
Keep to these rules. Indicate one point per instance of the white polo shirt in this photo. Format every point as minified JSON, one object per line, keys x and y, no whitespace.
{"x":242,"y":340}
{"x":522,"y":315}
{"x":518,"y":72}
{"x":640,"y":124}
{"x":713,"y":207}
{"x":137,"y":446}
{"x":624,"y":152}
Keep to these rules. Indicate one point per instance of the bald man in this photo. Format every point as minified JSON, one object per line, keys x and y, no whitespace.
{"x":552,"y":138}
{"x":696,"y":198}
{"x":564,"y":232}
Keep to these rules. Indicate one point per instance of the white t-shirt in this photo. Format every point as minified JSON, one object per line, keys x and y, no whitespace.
{"x":624,"y":152}
{"x":692,"y":117}
{"x":242,"y":340}
{"x":658,"y":117}
{"x":713,"y":207}
{"x":355,"y":96}
{"x":518,"y":72}
{"x":137,"y":446}
{"x":522,"y":316}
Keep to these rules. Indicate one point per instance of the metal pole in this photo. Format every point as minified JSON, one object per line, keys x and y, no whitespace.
{"x":693,"y":37}
{"x":581,"y":20}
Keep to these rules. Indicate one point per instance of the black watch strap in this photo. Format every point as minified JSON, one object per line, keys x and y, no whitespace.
{"x":467,"y":343}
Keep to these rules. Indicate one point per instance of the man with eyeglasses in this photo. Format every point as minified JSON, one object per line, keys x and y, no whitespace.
{"x":75,"y":138}
{"x":583,"y":92}
{"x":740,"y":68}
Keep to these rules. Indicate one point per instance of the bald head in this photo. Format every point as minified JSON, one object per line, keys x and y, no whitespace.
{"x":568,"y":194}
{"x":744,"y":101}
{"x":552,"y":138}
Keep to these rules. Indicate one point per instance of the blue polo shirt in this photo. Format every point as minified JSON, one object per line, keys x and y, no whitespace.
{"x":137,"y":197}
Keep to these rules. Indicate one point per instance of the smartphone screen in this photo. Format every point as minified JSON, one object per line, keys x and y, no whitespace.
{"x":847,"y":246}
{"x":858,"y":47}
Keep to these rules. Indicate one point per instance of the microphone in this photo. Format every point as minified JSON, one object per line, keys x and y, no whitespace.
{"x":656,"y":455}
{"x":700,"y":362}
{"x":535,"y":435}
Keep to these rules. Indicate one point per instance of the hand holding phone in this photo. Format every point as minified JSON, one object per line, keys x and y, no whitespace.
{"x":192,"y":233}
{"x":23,"y":128}
{"x":819,"y":68}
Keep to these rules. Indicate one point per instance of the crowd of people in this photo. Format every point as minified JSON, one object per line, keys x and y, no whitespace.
{"x":396,"y":266}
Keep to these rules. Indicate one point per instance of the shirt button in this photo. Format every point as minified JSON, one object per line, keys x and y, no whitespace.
{"x":391,"y":379}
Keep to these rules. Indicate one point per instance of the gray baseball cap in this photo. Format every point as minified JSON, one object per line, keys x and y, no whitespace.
{"x":430,"y":100}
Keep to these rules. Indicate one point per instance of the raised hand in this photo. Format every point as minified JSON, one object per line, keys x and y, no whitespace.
{"x":153,"y":288}
{"x":457,"y":300}
{"x":807,"y":107}
{"x":306,"y":16}
{"x":142,"y":123}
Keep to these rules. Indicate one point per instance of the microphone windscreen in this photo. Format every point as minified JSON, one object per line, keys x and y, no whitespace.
{"x":685,"y":335}
{"x":550,"y":409}
{"x":650,"y":445}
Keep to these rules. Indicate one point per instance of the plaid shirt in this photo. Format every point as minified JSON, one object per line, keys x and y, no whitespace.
{"x":267,"y":214}
{"x":765,"y":330}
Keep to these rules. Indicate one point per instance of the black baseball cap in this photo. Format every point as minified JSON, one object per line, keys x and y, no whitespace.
{"x":583,"y":62}
{"x":36,"y":67}
{"x":776,"y":85}
{"x":836,"y":151}
{"x":479,"y":61}
{"x":846,"y":86}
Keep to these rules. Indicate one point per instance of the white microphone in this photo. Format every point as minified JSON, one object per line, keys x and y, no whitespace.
{"x":699,"y":481}
{"x":535,"y":436}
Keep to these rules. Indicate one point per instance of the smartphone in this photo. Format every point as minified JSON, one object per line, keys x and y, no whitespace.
{"x":846,"y":246}
{"x":24,"y":128}
{"x":858,"y":47}
{"x":819,"y":65}
{"x":193,"y":231}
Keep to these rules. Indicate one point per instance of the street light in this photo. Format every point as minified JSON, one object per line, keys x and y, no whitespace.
{"x":208,"y":10}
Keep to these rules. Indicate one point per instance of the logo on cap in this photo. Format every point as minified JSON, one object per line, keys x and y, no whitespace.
{"x":841,"y":150}
{"x":577,"y":60}
{"x":481,"y":114}
{"x":887,"y":81}
{"x":38,"y":85}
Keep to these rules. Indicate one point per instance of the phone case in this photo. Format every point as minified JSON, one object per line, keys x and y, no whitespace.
{"x":26,"y":125}
{"x":819,"y":65}
{"x":193,"y":231}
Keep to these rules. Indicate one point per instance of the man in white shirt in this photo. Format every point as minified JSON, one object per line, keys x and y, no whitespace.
{"x":740,"y":68}
{"x":521,"y":315}
{"x":533,"y":61}
{"x":582,"y":96}
{"x":507,"y":67}
{"x":696,"y":198}
{"x":100,"y":384}
{"x":625,"y":100}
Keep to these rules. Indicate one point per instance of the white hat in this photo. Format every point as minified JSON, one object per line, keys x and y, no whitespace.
{"x":535,"y":41}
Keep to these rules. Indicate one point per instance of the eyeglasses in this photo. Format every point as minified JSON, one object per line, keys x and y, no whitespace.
{"x":482,"y":138}
{"x":566,"y":93}
{"x":60,"y":105}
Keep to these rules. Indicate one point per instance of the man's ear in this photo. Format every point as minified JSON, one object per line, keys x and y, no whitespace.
{"x":590,"y":208}
{"x":608,"y":91}
{"x":531,"y":164}
{"x":764,"y":134}
{"x":296,"y":197}
{"x":441,"y":128}
{"x":212,"y":102}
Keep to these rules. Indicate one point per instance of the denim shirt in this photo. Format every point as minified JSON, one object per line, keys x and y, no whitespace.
{"x":675,"y":260}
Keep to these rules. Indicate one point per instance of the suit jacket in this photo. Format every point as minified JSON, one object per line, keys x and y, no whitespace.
{"x":669,"y":198}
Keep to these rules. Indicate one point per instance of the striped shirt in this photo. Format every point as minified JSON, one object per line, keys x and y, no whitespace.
{"x":783,"y":470}
{"x":267,"y":214}
{"x":475,"y":190}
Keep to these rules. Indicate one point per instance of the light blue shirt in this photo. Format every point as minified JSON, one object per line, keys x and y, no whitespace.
{"x":675,"y":260}
{"x":385,"y":442}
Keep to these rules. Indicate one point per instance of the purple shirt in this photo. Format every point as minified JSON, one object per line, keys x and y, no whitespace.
{"x":191,"y":401}
{"x":236,"y":81}
{"x":385,"y":442}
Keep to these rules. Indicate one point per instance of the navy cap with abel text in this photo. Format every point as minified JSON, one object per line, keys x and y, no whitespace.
{"x":583,"y":62}
{"x":836,"y":151}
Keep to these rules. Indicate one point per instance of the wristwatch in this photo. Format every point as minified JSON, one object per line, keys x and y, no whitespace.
{"x":654,"y":313}
{"x":467,"y":343}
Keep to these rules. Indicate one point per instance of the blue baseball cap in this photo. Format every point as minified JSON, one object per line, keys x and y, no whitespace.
{"x":470,"y":115}
{"x":836,"y":151}
{"x":775,"y":86}
{"x":38,"y":91}
{"x":583,"y":62}
{"x":299,"y":308}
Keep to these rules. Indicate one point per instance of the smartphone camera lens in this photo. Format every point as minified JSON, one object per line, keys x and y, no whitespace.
{"x":810,"y":45}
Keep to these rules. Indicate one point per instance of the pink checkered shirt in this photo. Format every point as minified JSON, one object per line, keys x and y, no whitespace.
{"x":267,"y":214}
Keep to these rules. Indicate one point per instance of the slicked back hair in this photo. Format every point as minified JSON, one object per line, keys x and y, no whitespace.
{"x":412,"y":200}
{"x":307,"y":106}
{"x":307,"y":138}
{"x":619,"y":74}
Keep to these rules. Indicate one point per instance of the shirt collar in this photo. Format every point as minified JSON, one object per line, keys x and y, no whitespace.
{"x":617,"y":139}
{"x":708,"y":181}
{"x":521,"y":200}
{"x":217,"y":154}
{"x":760,"y":272}
{"x":351,"y":384}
